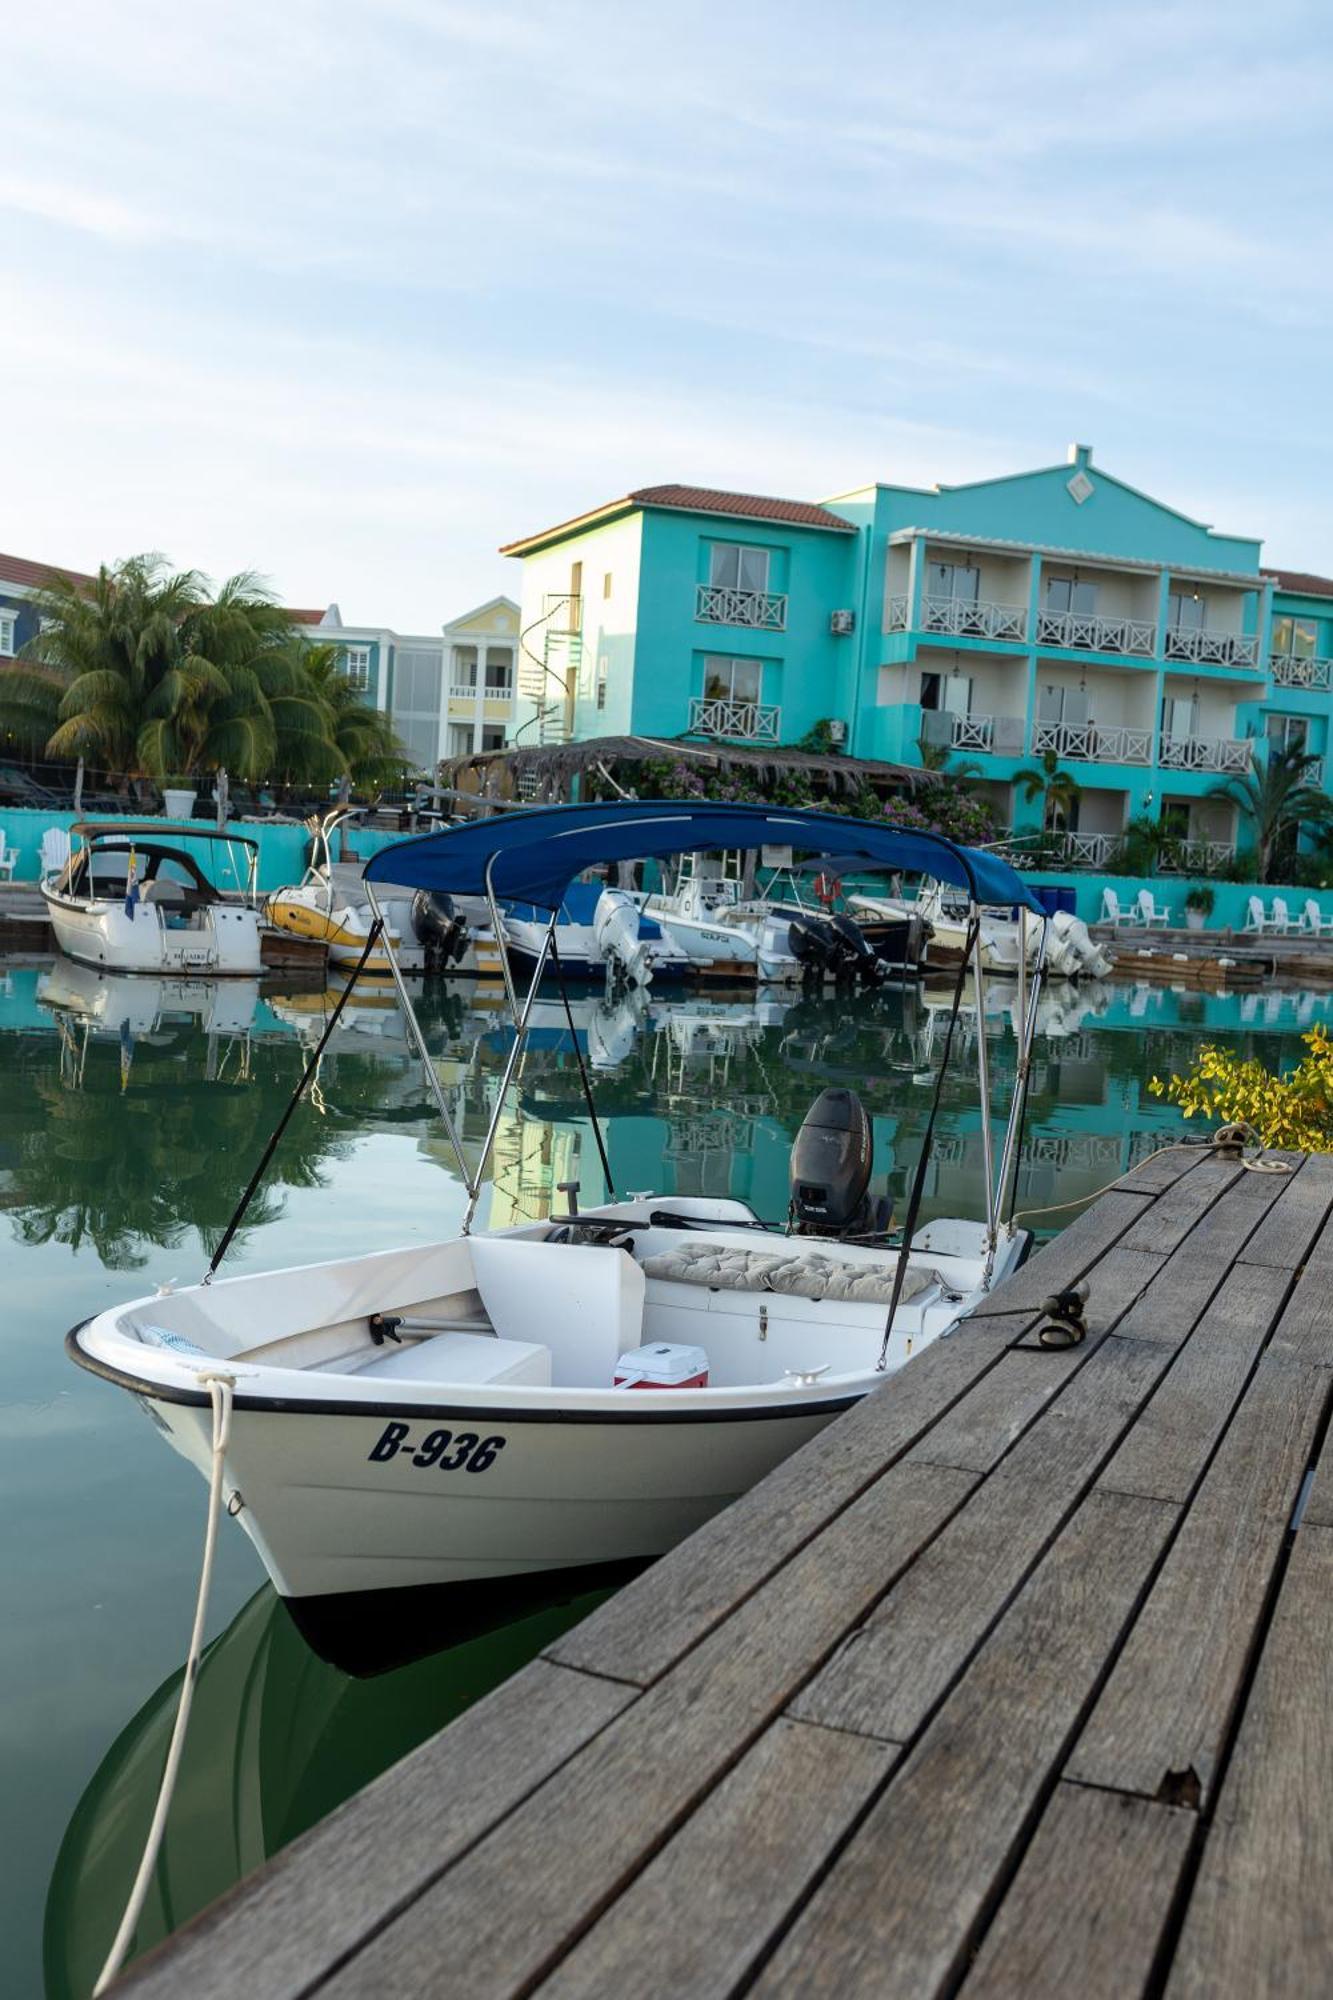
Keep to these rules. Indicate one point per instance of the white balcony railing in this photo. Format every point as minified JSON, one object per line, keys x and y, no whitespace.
{"x":1088,"y":632}
{"x":980,"y":620}
{"x":762,"y":610}
{"x":1093,"y":742}
{"x":462,"y":690}
{"x":1290,"y":672}
{"x":719,"y":715}
{"x":973,"y":732}
{"x":1088,"y":850}
{"x":1211,"y":649}
{"x":895,"y":614}
{"x":1204,"y":753}
{"x":1196,"y":857}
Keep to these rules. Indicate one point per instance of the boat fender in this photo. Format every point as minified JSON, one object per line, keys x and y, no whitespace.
{"x":1065,"y":1324}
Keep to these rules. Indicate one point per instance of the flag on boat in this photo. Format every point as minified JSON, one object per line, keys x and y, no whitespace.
{"x":132,"y":887}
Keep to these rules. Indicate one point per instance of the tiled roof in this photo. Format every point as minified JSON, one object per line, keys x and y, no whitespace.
{"x":754,"y":506}
{"x":35,"y":575}
{"x":693,"y":500}
{"x":307,"y":617}
{"x":1301,"y":583}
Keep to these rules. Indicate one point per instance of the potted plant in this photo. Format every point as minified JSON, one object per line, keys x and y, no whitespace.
{"x":1199,"y":905}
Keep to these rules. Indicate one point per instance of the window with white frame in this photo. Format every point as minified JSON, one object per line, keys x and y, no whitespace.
{"x":1295,"y":638}
{"x":1287,"y":732}
{"x":960,"y":581}
{"x":1070,"y":593}
{"x":1185,"y":611}
{"x":727,"y":679}
{"x":8,"y":626}
{"x":356,"y":665}
{"x":736,"y":566}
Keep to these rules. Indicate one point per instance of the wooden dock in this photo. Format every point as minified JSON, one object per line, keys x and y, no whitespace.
{"x":1017,"y":1681}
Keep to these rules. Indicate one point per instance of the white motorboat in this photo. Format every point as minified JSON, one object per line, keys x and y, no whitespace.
{"x":133,"y":898}
{"x":1071,"y":951}
{"x":576,"y":1391}
{"x":598,"y":929}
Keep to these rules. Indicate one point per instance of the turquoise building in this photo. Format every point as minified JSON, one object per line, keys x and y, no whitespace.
{"x":1054,"y":616}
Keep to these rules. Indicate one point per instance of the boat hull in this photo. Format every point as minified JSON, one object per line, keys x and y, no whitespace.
{"x":561,"y":1491}
{"x":225,"y":943}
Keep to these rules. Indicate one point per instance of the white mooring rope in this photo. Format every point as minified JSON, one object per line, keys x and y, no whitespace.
{"x":220,"y":1388}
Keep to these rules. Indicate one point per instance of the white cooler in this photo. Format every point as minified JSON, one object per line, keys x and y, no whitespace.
{"x":665,"y":1365}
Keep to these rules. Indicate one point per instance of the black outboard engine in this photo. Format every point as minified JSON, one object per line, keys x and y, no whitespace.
{"x":832,"y":947}
{"x":859,"y":956}
{"x":440,"y":930}
{"x":830,"y":1167}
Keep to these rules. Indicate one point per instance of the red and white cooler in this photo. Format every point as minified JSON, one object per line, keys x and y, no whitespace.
{"x":664,"y":1365}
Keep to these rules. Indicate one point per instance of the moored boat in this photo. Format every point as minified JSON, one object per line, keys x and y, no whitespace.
{"x":132,"y":897}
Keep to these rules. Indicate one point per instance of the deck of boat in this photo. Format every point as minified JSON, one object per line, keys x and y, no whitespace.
{"x":1019,"y":1680}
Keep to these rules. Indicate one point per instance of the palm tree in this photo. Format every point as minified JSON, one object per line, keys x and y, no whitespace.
{"x":1059,"y":789}
{"x":355,"y":740}
{"x":144,"y":673}
{"x":937,"y":758}
{"x":1277,"y":797}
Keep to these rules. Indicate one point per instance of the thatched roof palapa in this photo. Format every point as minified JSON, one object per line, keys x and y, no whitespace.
{"x":499,"y":774}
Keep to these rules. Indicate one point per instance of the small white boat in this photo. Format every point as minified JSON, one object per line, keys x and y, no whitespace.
{"x":577,"y":1391}
{"x":1071,"y":951}
{"x":133,"y":898}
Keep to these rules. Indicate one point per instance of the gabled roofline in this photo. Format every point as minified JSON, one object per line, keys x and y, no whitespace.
{"x":491,"y":604}
{"x":613,"y":510}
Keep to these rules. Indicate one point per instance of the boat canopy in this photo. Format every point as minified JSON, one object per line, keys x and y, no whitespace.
{"x":155,"y":829}
{"x":536,"y":855}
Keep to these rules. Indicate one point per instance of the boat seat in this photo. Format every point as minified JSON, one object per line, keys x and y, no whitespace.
{"x":452,"y":1359}
{"x":809,"y":1275}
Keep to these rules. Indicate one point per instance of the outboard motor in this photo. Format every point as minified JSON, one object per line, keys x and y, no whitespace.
{"x":439,"y":929}
{"x":830,"y":1167}
{"x":859,"y":959}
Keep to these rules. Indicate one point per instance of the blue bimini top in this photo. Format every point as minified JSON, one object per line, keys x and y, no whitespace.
{"x":535,"y":855}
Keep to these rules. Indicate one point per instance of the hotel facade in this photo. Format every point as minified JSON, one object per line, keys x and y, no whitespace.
{"x":1057,"y":617}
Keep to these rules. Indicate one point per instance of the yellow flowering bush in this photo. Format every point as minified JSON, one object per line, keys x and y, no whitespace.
{"x":1294,"y":1110}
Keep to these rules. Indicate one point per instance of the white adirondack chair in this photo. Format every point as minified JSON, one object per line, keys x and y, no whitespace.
{"x":8,"y":859}
{"x":1255,"y":921}
{"x":55,"y":851}
{"x":1112,"y":912}
{"x":1153,"y":915}
{"x":1281,"y":920}
{"x":1316,"y":923}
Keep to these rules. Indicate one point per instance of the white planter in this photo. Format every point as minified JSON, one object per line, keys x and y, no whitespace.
{"x":1195,"y":920}
{"x":177,"y":803}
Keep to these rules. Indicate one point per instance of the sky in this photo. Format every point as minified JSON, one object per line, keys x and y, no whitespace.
{"x":351,"y":294}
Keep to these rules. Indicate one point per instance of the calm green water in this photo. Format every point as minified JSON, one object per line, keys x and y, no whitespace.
{"x":130,"y":1117}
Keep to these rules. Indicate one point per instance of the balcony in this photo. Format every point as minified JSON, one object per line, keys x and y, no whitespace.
{"x":719,"y":715}
{"x":1204,"y":753}
{"x":1093,"y":742}
{"x":1196,"y":857}
{"x":1085,"y":631}
{"x":997,"y":735}
{"x":1205,"y":648}
{"x":958,"y":619}
{"x":760,"y":610}
{"x":1290,"y":672}
{"x":462,"y":690}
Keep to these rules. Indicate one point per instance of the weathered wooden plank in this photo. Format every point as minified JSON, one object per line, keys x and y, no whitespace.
{"x":1171,"y":1442}
{"x":1260,"y":1920}
{"x":705,"y":1908}
{"x":1088,"y":1907}
{"x":321,"y":1897}
{"x":1072,"y":1254}
{"x":982,"y":1425}
{"x":1163,"y":1170}
{"x":1243,"y":1210}
{"x":1305,"y":1330}
{"x":1180,"y":1209}
{"x":1162,"y":1720}
{"x":517,"y":1902}
{"x":890,"y":1672}
{"x":1320,"y":1251}
{"x":901,"y":1908}
{"x":655,"y":1620}
{"x":1296,"y":1217}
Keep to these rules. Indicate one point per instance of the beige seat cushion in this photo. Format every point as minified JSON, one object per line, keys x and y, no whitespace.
{"x":809,"y":1275}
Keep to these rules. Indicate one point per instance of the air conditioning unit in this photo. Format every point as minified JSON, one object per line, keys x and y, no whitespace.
{"x":837,"y":729}
{"x":842,"y":622}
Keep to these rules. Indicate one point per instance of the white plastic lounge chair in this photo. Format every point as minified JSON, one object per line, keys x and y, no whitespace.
{"x":55,"y":851}
{"x":8,"y":858}
{"x":1316,"y":923}
{"x":1112,"y":912}
{"x":1255,"y":921}
{"x":1154,"y":915}
{"x":1281,"y":921}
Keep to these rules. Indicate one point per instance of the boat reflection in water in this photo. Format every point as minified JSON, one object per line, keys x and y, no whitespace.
{"x":278,"y":1737}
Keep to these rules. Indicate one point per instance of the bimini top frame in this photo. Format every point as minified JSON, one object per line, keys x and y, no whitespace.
{"x":533,"y":857}
{"x":168,"y":836}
